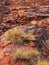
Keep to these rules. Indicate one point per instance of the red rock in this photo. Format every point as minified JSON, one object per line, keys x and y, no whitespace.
{"x":3,"y":44}
{"x":32,"y":45}
{"x":5,"y":61}
{"x":1,"y":53}
{"x":20,"y":63}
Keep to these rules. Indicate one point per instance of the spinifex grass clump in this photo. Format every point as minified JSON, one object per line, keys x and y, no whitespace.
{"x":31,"y":56}
{"x":43,"y":62}
{"x":25,"y":53}
{"x":17,"y":35}
{"x":14,"y":35}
